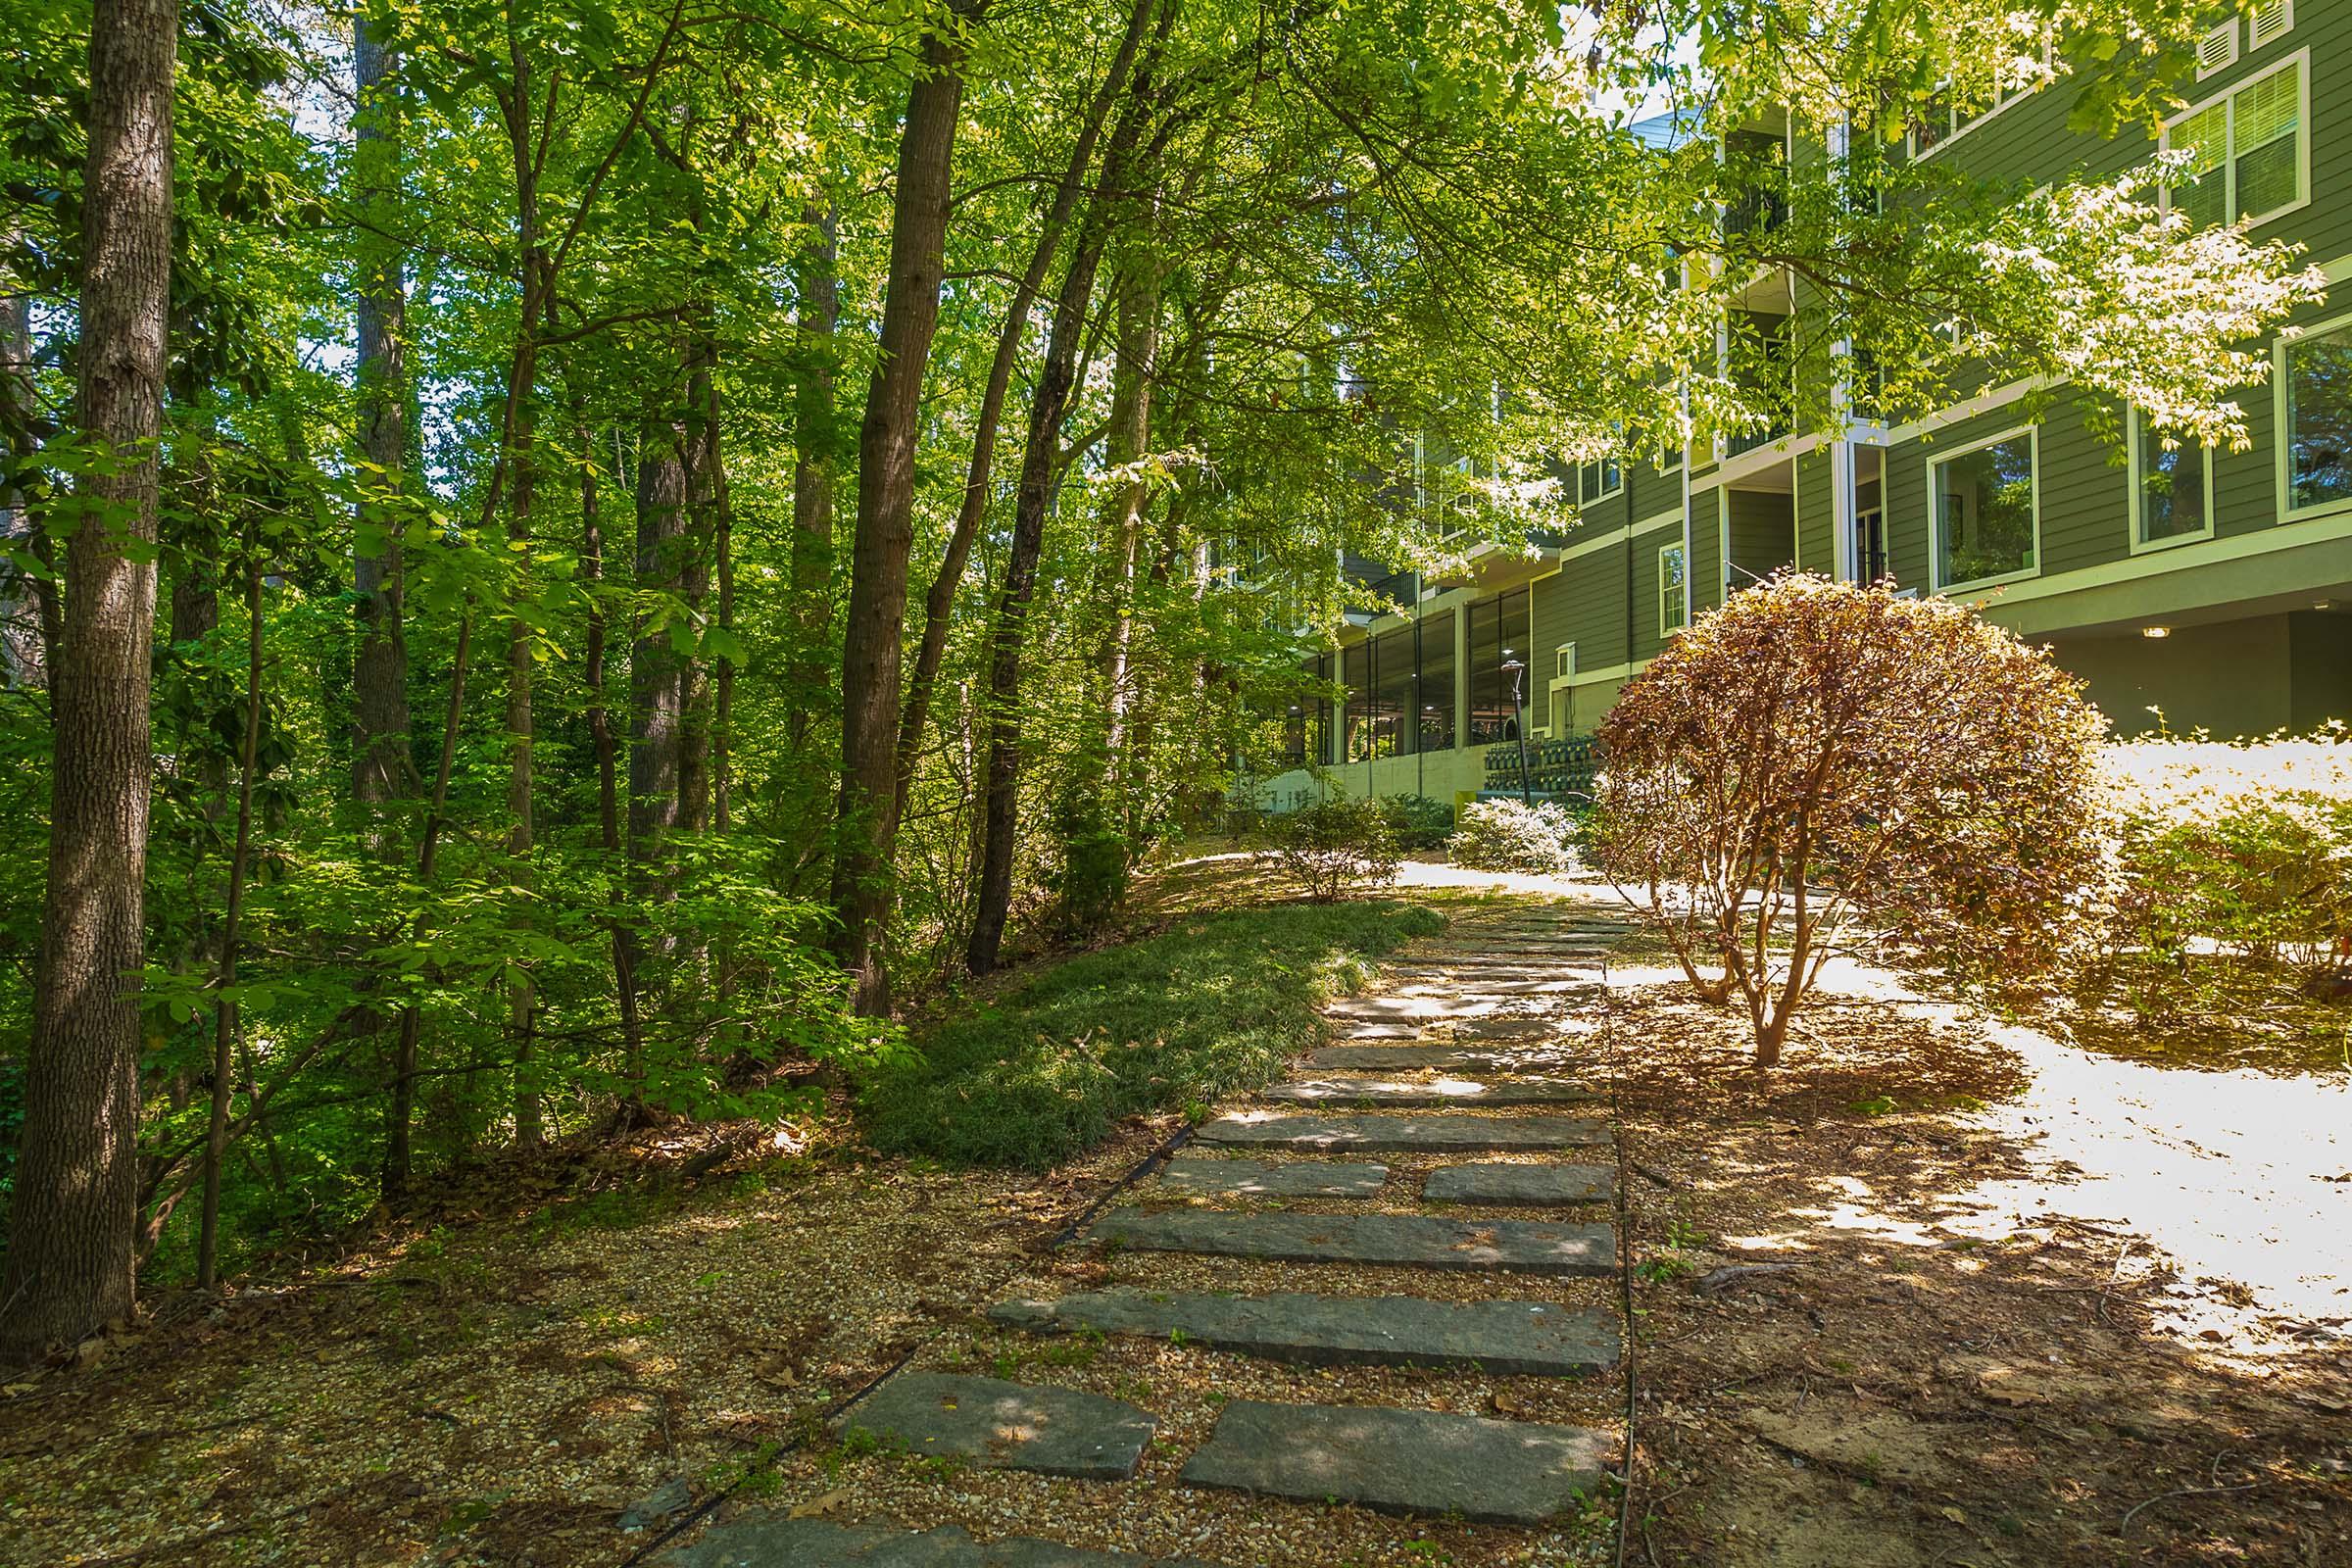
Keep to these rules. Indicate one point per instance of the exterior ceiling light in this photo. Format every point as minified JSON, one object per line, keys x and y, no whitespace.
{"x":2155,"y":631}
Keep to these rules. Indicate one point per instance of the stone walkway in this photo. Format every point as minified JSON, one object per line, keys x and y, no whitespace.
{"x":1469,"y":1051}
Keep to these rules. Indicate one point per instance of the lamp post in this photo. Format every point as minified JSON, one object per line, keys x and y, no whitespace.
{"x":1511,"y":664}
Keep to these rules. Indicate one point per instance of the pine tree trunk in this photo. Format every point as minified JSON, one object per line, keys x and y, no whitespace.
{"x":885,"y":534}
{"x":75,"y":1216}
{"x":382,"y":770}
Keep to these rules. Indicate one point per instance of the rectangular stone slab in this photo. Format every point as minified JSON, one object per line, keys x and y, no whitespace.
{"x":1507,"y":1339}
{"x":1418,"y":1241}
{"x":1493,"y":1182}
{"x":1303,"y":1178}
{"x":1005,"y":1426}
{"x":775,"y":1540}
{"x":1407,"y":1009}
{"x":1379,"y":1031}
{"x":1402,"y":1461}
{"x":1446,"y":1058}
{"x":1401,"y":1134}
{"x":1358,"y":1089}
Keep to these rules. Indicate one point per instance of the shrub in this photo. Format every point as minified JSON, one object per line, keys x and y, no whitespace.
{"x":1815,"y":752}
{"x":1419,"y":822}
{"x":1331,"y":845}
{"x":1090,"y":877}
{"x":2244,"y":847}
{"x":1512,"y":836}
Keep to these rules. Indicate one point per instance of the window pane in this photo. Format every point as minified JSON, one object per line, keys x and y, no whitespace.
{"x":1358,"y":735}
{"x":1435,"y":727}
{"x":1670,"y":589}
{"x":1323,"y":712}
{"x":2201,"y":193}
{"x":2319,"y":420}
{"x":1393,"y":682}
{"x":1497,"y":630}
{"x":2172,"y":488}
{"x":1984,"y":511}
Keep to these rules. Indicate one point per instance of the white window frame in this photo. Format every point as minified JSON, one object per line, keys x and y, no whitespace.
{"x":1600,"y":467}
{"x":1934,"y":460}
{"x":1563,"y":662}
{"x":1681,"y":595}
{"x":1961,"y":127}
{"x":2280,"y":392}
{"x":2300,"y":59}
{"x":2135,"y":465}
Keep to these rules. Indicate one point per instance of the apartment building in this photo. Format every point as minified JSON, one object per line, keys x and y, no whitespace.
{"x":2215,"y":586}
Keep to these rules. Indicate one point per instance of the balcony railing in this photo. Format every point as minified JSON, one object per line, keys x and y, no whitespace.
{"x":1554,"y":769}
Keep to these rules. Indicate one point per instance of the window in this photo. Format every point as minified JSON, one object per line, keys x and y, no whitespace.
{"x":2317,"y":394}
{"x":1673,"y":609}
{"x":1435,"y":729}
{"x":1598,"y":480}
{"x":1563,"y":662}
{"x":1941,"y":119}
{"x":2248,"y":157}
{"x":1984,"y":503}
{"x":2172,"y":490}
{"x":1498,"y":634}
{"x":1670,"y":457}
{"x":1322,"y":735}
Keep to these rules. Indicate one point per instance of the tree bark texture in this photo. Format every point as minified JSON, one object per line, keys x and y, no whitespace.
{"x":383,"y":769}
{"x":816,"y":464}
{"x":69,"y":1266}
{"x":878,"y":611}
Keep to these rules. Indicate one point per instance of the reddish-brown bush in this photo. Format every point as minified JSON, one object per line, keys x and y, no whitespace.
{"x":1816,"y":754}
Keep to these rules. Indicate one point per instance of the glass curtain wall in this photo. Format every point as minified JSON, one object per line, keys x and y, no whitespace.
{"x":1498,"y":631}
{"x":1434,"y":731}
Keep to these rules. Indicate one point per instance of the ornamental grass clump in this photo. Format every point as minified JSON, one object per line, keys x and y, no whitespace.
{"x":1817,"y":754}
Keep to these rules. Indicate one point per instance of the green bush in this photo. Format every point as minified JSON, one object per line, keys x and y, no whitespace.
{"x":1089,"y":880}
{"x":1217,"y":1006}
{"x":1418,"y":822}
{"x":2265,"y":875}
{"x":1512,"y":836}
{"x":1331,"y":845}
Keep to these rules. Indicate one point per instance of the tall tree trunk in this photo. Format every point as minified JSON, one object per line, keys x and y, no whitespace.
{"x":76,"y":1210}
{"x":938,"y":603}
{"x":657,"y":681}
{"x":1127,"y":443}
{"x":28,"y":604}
{"x":816,"y":463}
{"x":608,"y":765}
{"x":224,"y":1017}
{"x":877,"y":613}
{"x":382,"y":770}
{"x":537,"y":287}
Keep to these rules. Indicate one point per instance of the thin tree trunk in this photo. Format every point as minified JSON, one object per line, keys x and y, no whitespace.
{"x":537,"y":289}
{"x":658,"y":685}
{"x":224,"y":1017}
{"x":1126,"y":444}
{"x":383,"y":769}
{"x":607,"y":767}
{"x":28,"y":604}
{"x":816,"y":461}
{"x":1040,"y":470}
{"x":877,"y":613}
{"x":938,"y":603}
{"x":75,"y":1213}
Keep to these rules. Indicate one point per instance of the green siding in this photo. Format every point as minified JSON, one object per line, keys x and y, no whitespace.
{"x":1762,"y":525}
{"x":1706,"y":552}
{"x":1816,"y":519}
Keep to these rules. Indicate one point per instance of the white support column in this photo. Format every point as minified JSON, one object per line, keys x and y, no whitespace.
{"x":1844,"y":541}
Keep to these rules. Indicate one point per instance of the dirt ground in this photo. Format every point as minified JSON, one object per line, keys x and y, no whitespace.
{"x":1836,"y":1366}
{"x":1902,"y":1375}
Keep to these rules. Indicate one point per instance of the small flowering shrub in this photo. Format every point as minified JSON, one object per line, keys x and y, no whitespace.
{"x":1512,"y":836}
{"x":1815,"y":754}
{"x":1331,"y":845}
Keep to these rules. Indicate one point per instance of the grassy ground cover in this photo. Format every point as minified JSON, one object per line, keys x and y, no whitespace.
{"x":1213,"y":1006}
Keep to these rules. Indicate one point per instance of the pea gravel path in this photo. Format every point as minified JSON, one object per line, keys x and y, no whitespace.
{"x":1481,"y":1033}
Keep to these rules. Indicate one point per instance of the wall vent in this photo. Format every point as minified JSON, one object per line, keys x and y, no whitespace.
{"x":2269,"y":23}
{"x":2217,"y":49}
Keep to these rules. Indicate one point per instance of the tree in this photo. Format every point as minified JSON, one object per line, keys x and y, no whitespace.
{"x":70,"y":1257}
{"x":1818,"y":754}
